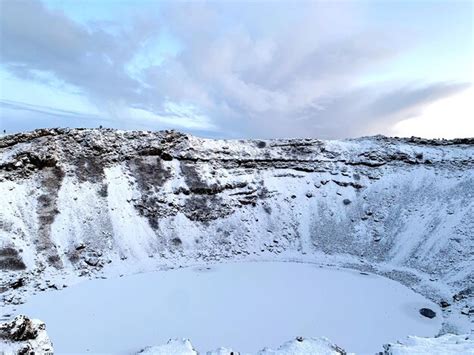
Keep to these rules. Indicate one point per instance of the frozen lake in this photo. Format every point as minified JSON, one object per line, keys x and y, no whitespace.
{"x":245,"y":306}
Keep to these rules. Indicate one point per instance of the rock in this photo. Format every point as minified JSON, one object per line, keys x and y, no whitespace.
{"x":428,"y":313}
{"x":309,"y":194}
{"x":444,"y":304}
{"x":346,"y":201}
{"x":24,"y":336}
{"x":18,"y":283}
{"x":80,"y":246}
{"x":465,"y":311}
{"x":463,"y":294}
{"x":92,"y":261}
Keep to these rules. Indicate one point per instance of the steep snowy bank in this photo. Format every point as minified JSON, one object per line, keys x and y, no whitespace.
{"x":102,"y":202}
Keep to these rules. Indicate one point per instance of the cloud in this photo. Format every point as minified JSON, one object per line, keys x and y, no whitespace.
{"x":450,"y":117}
{"x":35,"y":39}
{"x":369,"y":110}
{"x":272,"y":70}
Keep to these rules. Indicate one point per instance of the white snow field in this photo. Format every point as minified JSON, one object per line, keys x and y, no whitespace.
{"x":243,"y":306}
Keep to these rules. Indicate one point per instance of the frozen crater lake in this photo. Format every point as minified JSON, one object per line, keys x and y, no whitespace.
{"x":244,"y":306}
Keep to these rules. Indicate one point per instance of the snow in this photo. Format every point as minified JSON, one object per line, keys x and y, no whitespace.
{"x":320,"y":346}
{"x":173,"y":347}
{"x":244,"y":306}
{"x":124,"y":218}
{"x":448,"y":344}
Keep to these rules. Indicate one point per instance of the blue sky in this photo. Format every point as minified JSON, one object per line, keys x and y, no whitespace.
{"x":239,"y":69}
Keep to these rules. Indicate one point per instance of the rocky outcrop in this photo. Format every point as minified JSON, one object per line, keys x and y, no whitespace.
{"x":24,"y":336}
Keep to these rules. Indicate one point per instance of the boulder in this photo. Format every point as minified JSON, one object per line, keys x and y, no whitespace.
{"x":23,"y":335}
{"x":428,"y":313}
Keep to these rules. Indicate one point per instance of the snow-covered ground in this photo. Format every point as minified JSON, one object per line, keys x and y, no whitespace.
{"x":243,"y":306}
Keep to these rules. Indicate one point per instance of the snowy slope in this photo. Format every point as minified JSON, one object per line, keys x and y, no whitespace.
{"x":90,"y":203}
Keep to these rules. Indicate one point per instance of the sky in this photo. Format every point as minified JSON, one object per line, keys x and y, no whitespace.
{"x":240,"y":69}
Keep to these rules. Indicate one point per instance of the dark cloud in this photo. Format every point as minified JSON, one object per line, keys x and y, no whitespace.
{"x":254,"y":70}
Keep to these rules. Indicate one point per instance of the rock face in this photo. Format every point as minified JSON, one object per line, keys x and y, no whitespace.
{"x":80,"y":201}
{"x":24,"y":336}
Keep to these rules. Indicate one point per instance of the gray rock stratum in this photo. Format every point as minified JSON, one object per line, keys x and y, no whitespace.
{"x":89,"y":202}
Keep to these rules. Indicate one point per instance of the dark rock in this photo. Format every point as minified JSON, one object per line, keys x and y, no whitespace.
{"x":26,"y":336}
{"x":21,"y":329}
{"x":176,"y":241}
{"x":80,"y":247}
{"x":11,"y":262}
{"x":444,"y":304}
{"x":463,"y":294}
{"x":346,"y":201}
{"x":18,"y":283}
{"x":428,"y":313}
{"x":300,"y":339}
{"x":92,"y":261}
{"x":166,"y":156}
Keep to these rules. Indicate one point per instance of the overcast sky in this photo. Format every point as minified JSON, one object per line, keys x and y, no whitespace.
{"x":331,"y":69}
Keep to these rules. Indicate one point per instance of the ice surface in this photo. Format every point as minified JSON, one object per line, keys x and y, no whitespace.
{"x":243,"y":306}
